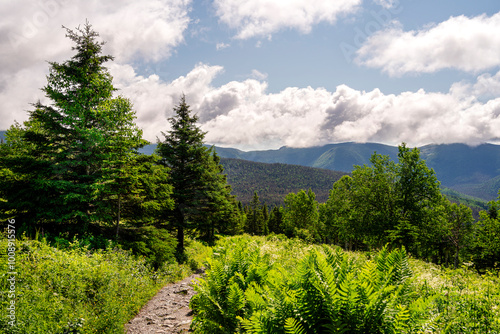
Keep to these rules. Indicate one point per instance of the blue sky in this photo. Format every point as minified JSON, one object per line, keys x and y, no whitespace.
{"x":262,"y":74}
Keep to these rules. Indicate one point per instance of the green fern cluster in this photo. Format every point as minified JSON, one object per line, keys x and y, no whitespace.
{"x":248,"y":290}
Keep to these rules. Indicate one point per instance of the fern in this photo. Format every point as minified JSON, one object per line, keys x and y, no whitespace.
{"x":293,"y":326}
{"x":324,"y":291}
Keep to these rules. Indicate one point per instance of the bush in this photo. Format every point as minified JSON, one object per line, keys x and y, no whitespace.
{"x":156,"y":245}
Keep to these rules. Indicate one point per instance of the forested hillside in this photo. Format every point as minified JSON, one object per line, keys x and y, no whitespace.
{"x":274,"y":181}
{"x":470,"y":170}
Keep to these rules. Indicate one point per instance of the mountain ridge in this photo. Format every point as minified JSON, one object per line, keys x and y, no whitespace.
{"x":472,"y":170}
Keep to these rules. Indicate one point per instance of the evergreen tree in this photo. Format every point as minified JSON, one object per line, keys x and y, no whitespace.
{"x":200,"y":192}
{"x":275,"y":224}
{"x":265,"y":220}
{"x":254,"y":217}
{"x":485,"y":247}
{"x":61,"y":155}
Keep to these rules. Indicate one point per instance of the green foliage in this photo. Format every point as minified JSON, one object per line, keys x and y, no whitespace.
{"x":476,"y":204}
{"x":75,"y":290}
{"x":386,"y":202}
{"x":468,"y":169}
{"x":156,"y":245}
{"x":75,"y":160}
{"x":274,"y":181}
{"x":78,"y":290}
{"x":200,"y":191}
{"x":256,"y":221}
{"x":461,"y":300}
{"x":485,"y":246}
{"x":300,"y":216}
{"x":259,"y":286}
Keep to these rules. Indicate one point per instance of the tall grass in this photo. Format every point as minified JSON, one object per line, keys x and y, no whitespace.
{"x":79,"y":291}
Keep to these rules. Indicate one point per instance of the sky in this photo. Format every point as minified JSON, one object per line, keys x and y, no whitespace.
{"x":262,"y":74}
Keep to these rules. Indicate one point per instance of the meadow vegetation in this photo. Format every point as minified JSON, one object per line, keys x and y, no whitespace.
{"x":278,"y":285}
{"x":73,"y":289}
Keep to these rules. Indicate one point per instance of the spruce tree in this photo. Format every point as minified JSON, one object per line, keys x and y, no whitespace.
{"x":200,"y":192}
{"x":70,"y":147}
{"x":254,"y":217}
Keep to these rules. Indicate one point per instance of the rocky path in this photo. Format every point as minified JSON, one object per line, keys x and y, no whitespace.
{"x":168,"y":312}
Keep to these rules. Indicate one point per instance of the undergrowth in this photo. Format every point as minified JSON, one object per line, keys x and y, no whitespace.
{"x":277,"y":285}
{"x":75,"y":290}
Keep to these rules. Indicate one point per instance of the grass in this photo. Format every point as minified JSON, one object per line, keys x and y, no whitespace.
{"x":74,"y":290}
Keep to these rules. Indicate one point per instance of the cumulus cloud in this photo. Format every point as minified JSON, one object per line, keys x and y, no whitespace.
{"x":31,"y":34}
{"x":262,"y":18}
{"x":463,"y":43}
{"x":154,"y":99}
{"x":243,"y":114}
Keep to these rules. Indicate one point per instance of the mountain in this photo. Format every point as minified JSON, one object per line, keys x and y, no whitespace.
{"x":274,"y":181}
{"x":472,"y":170}
{"x":340,"y":157}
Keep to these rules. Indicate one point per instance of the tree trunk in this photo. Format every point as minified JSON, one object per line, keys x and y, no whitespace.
{"x":456,"y":256}
{"x":118,"y":216}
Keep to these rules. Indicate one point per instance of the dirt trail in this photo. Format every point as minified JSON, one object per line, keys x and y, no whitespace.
{"x":168,"y":312}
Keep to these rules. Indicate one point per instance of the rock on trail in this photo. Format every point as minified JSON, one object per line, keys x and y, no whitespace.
{"x":168,"y":312}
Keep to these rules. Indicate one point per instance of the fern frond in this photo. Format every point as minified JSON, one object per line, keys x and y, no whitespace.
{"x":292,"y":326}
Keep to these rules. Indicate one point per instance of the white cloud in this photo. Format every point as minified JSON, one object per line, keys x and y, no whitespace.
{"x":242,"y":114}
{"x":155,"y":99}
{"x":31,"y":34}
{"x":466,"y":44}
{"x":221,"y":46}
{"x":386,"y":3}
{"x":262,"y":18}
{"x":258,"y":75}
{"x":148,"y":29}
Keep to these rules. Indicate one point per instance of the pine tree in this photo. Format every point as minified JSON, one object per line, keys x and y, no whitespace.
{"x":254,"y":223}
{"x":265,"y":220}
{"x":275,"y":223}
{"x":69,"y":148}
{"x":201,"y":194}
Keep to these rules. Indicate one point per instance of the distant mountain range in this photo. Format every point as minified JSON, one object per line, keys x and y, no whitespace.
{"x":474,"y":171}
{"x":471,"y":170}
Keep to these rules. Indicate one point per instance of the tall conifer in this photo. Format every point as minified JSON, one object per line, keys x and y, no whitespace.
{"x":70,"y":147}
{"x":201,"y":194}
